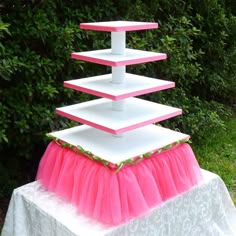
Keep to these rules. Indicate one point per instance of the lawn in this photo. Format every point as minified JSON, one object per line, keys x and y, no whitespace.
{"x":218,"y":154}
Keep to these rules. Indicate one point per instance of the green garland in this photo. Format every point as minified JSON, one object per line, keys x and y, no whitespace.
{"x":132,"y":161}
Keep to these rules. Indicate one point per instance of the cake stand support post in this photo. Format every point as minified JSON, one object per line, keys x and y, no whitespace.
{"x":118,"y":74}
{"x":118,"y":41}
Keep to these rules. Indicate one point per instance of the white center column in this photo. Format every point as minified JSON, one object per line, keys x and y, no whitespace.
{"x":118,"y":42}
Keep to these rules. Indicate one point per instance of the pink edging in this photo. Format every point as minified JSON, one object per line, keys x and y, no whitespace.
{"x":83,"y":121}
{"x":93,"y":26}
{"x":118,"y":97}
{"x":152,"y":121}
{"x":161,"y":56}
{"x":122,"y":130}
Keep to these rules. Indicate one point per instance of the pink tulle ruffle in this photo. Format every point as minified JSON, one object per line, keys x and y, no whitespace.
{"x":114,"y":198}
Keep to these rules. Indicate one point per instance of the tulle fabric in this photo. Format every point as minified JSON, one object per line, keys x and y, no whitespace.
{"x":113,"y":198}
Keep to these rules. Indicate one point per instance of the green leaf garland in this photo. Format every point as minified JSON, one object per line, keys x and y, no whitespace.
{"x":117,"y":167}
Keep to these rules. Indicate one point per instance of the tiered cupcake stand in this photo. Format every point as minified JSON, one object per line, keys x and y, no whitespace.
{"x":119,"y":166}
{"x":119,"y":163}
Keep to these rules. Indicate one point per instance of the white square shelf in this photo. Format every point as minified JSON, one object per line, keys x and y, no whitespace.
{"x":99,"y":114}
{"x":117,"y":26}
{"x":131,"y":57}
{"x":134,"y":85}
{"x":116,"y":149}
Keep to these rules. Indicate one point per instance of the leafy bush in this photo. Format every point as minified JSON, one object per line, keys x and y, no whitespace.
{"x":200,"y":43}
{"x":37,"y":38}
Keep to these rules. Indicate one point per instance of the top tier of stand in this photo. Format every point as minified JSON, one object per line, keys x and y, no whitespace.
{"x":118,"y":26}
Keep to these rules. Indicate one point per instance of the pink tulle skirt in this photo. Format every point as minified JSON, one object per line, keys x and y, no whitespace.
{"x":113,"y":198}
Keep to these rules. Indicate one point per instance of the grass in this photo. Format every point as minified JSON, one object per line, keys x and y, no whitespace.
{"x":217,"y":153}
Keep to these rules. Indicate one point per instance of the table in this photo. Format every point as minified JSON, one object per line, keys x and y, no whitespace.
{"x":204,"y":210}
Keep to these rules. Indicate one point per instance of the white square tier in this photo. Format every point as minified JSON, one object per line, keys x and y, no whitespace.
{"x":99,"y":114}
{"x":116,"y":149}
{"x":116,"y":26}
{"x":133,"y":85}
{"x":131,"y":57}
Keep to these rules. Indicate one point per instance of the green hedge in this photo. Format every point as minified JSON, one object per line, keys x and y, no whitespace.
{"x":37,"y":38}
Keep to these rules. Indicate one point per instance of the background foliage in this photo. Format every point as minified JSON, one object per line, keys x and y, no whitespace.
{"x":37,"y":37}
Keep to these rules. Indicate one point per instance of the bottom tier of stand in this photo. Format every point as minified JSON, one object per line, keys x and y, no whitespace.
{"x":119,"y":148}
{"x":205,"y":210}
{"x":113,"y":197}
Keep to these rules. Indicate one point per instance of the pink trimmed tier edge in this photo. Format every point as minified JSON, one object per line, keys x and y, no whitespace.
{"x":114,"y":198}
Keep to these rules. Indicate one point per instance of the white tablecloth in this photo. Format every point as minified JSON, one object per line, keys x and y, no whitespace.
{"x":204,"y":210}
